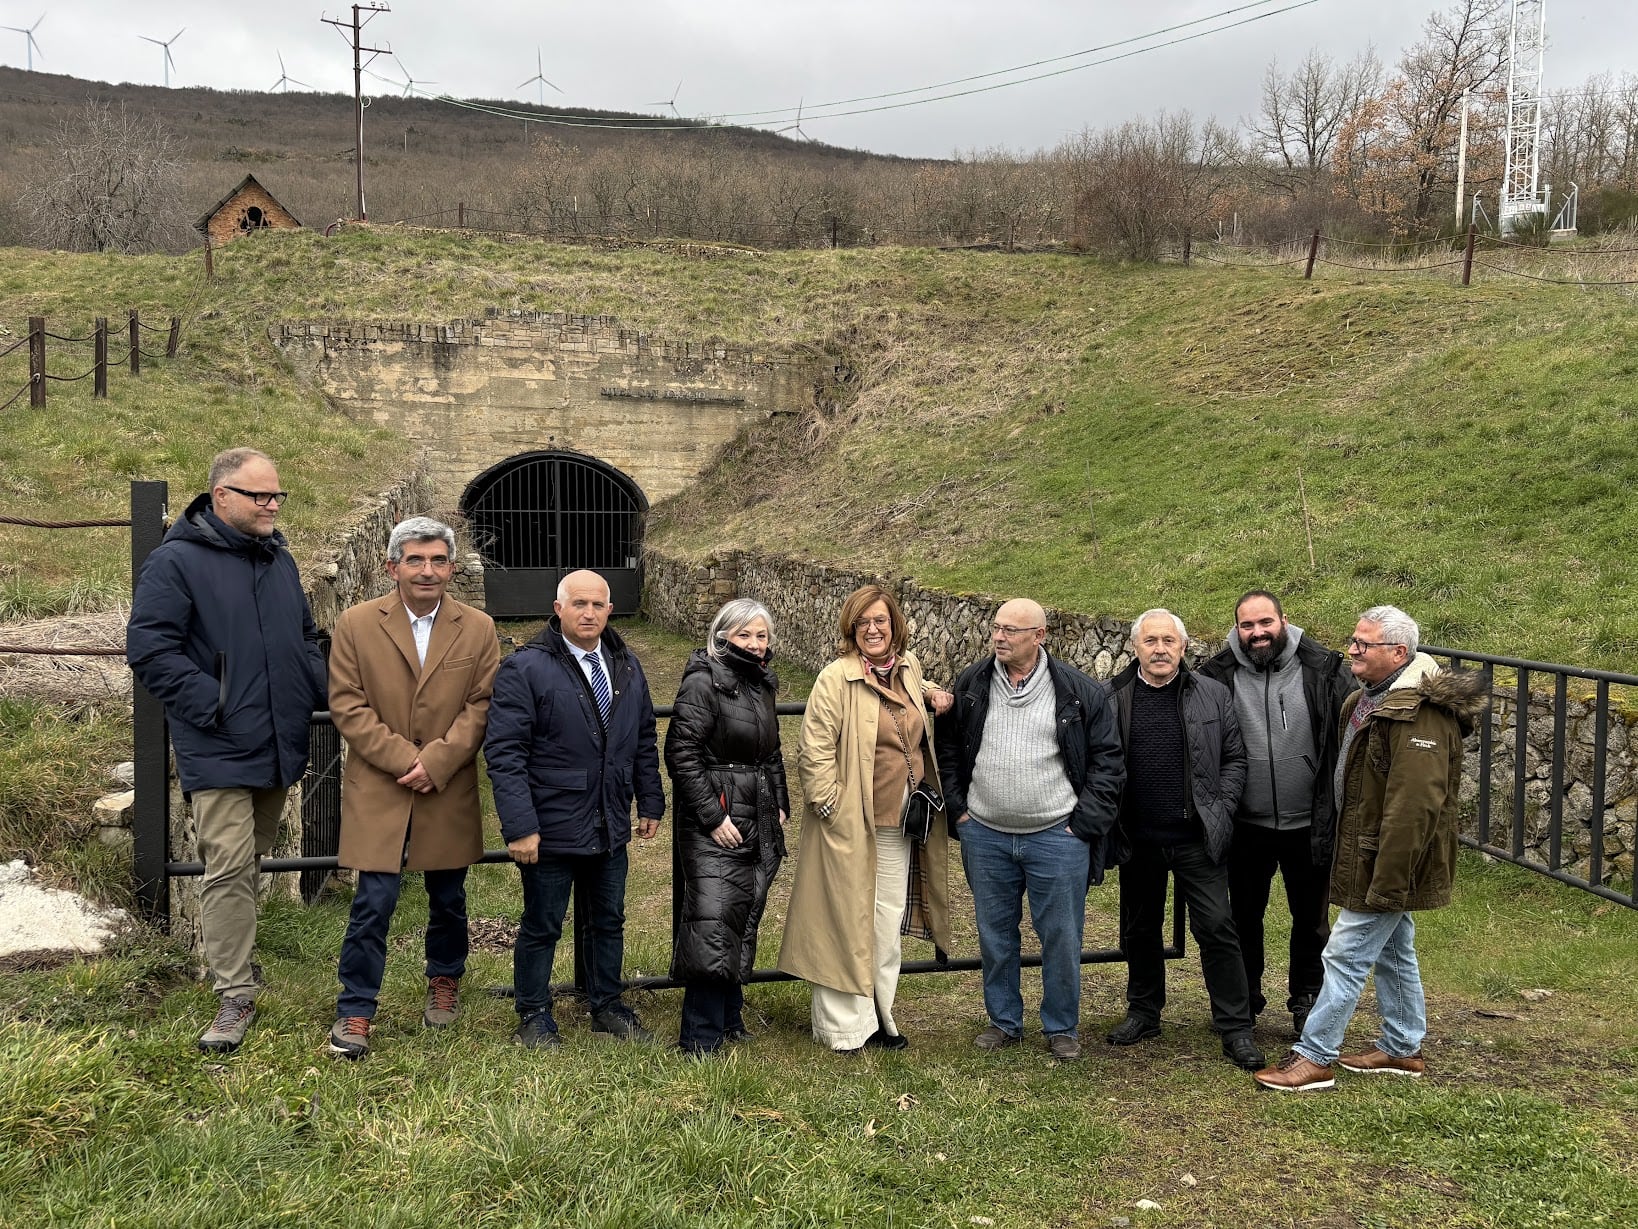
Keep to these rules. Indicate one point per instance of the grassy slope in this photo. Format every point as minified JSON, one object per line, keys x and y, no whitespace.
{"x":108,"y":1116}
{"x":1102,"y":438}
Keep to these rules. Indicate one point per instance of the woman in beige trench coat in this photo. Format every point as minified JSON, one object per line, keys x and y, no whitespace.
{"x":860,"y":883}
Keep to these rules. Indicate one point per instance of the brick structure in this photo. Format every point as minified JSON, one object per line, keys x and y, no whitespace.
{"x":248,"y":207}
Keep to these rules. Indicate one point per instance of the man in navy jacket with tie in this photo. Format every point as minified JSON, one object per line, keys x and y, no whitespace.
{"x":571,"y":742}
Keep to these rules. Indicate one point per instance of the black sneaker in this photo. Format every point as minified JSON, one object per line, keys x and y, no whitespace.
{"x":618,"y":1020}
{"x":1300,"y":1007}
{"x":1132,"y":1030}
{"x":537,"y":1030}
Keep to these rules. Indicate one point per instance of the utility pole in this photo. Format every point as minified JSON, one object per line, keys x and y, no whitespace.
{"x":1461,"y":163}
{"x":357,"y":25}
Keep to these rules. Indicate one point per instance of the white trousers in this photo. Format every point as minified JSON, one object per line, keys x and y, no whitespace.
{"x":844,"y":1021}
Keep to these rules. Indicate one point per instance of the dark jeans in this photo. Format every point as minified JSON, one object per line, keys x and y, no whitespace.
{"x":1203,"y":887}
{"x":1253,"y":858}
{"x":364,"y":950}
{"x":548,"y":886}
{"x":710,"y":1009}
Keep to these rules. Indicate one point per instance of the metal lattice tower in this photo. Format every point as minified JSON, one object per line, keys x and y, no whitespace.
{"x":1521,"y":180}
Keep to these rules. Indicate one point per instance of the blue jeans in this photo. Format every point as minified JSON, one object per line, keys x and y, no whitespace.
{"x":364,"y":950}
{"x":547,"y":887}
{"x":1052,"y":867}
{"x":1358,"y":941}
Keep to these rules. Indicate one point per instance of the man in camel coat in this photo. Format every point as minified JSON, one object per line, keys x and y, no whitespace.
{"x":410,"y":680}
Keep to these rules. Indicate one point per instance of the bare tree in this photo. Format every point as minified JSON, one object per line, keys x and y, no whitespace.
{"x":110,"y":182}
{"x":1303,"y":112}
{"x":1147,"y":183}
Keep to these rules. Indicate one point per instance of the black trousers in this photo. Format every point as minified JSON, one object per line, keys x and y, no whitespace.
{"x":1253,"y":858}
{"x":1203,"y":887}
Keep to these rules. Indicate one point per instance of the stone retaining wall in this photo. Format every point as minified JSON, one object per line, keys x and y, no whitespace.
{"x":948,"y":631}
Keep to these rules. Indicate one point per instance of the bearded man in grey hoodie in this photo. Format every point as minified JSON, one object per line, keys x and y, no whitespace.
{"x":1288,"y":691}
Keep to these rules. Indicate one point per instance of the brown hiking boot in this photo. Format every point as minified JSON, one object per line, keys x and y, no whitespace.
{"x":227,"y":1031}
{"x":1375,"y":1062}
{"x":1294,"y":1073}
{"x":350,"y":1037}
{"x":443,"y":1002}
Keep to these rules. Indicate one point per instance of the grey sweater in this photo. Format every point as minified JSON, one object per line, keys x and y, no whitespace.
{"x":1018,"y":782}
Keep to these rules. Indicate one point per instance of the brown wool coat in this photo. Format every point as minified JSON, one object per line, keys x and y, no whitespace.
{"x":391,"y":710}
{"x":829,"y":931}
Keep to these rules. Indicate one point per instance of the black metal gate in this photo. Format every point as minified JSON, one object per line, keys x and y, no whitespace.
{"x":540,"y":515}
{"x":320,"y":804}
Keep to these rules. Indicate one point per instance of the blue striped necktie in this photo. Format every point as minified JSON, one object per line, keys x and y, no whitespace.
{"x":600,"y":684}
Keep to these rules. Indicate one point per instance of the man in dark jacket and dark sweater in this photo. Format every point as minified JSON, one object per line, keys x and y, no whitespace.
{"x":1398,"y":786}
{"x":571,"y":741}
{"x":1185,"y":770}
{"x":1288,"y":691}
{"x":1032,"y":771}
{"x":220,"y":633}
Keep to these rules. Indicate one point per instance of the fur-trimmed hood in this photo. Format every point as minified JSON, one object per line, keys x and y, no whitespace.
{"x":1461,"y":693}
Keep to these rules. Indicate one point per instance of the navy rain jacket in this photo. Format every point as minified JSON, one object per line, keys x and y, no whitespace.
{"x":555,"y":770}
{"x":221,"y":635}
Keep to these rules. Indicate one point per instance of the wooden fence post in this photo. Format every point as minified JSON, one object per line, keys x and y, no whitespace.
{"x":210,"y":263}
{"x":1187,"y":238}
{"x":1467,"y":256}
{"x":136,"y":348}
{"x":1313,"y":252}
{"x":460,"y":214}
{"x":36,"y":361}
{"x":99,"y":382}
{"x":175,"y":336}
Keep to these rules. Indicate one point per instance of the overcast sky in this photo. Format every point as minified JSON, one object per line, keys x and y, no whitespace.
{"x":734,"y":57}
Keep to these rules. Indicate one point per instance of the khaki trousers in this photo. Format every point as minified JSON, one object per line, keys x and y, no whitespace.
{"x":844,"y":1021}
{"x":235,"y":827}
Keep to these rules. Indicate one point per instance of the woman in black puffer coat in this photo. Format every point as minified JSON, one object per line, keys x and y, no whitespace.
{"x":729,"y":804}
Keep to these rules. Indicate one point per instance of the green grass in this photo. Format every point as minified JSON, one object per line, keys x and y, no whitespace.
{"x":109,"y":1117}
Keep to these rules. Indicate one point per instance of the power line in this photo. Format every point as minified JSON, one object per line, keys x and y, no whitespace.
{"x":658,"y":124}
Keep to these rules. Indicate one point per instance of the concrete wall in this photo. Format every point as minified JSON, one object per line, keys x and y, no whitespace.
{"x":949,"y":631}
{"x":474,"y":393}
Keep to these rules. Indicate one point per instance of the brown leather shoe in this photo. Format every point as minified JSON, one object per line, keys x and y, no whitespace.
{"x":1294,"y":1073}
{"x":1375,"y":1062}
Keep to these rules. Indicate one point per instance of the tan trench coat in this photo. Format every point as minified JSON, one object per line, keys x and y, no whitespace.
{"x":390,"y":710}
{"x":829,"y":933}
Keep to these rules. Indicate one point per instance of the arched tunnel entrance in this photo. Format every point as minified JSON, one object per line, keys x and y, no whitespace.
{"x":539,"y":515}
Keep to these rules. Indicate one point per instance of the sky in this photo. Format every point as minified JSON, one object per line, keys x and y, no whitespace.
{"x":758,"y":60}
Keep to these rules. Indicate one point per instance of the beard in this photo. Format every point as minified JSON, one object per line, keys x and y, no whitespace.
{"x":1266,"y":654}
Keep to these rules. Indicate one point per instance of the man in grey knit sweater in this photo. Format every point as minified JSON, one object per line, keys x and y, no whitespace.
{"x":1032,"y":772}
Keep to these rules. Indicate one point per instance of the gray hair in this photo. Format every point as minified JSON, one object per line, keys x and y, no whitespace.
{"x":230,"y":461}
{"x":1397,"y":626}
{"x":418,"y":529}
{"x":1159,"y":612}
{"x":734,"y":615}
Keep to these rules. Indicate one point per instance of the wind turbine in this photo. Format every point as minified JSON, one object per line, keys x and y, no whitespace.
{"x":409,"y":81}
{"x":540,"y":76}
{"x":285,"y":81}
{"x":166,"y":44}
{"x":28,"y":33}
{"x":797,"y":126}
{"x":669,"y":102}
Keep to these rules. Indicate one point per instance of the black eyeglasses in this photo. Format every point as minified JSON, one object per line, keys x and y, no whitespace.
{"x":260,"y":498}
{"x":1354,"y":642}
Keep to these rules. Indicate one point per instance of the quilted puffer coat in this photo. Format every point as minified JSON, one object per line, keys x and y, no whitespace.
{"x":722,"y":751}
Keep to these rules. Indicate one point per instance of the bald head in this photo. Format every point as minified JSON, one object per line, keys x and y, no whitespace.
{"x":583,"y":608}
{"x":1016,"y":635}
